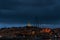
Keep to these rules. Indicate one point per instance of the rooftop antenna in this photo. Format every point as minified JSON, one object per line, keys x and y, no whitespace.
{"x":37,"y":21}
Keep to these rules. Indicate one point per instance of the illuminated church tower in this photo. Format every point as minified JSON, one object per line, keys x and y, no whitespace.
{"x":28,"y":24}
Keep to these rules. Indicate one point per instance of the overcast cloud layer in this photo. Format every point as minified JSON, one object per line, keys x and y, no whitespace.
{"x":35,"y":11}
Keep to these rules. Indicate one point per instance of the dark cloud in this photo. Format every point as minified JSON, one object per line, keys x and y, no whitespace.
{"x":16,"y":11}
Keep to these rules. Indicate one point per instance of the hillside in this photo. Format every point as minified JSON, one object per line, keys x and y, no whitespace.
{"x":28,"y":32}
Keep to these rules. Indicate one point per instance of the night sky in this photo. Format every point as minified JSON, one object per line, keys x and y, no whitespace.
{"x":19,"y":12}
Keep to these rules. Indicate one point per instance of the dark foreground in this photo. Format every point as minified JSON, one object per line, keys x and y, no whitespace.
{"x":29,"y":33}
{"x":29,"y":38}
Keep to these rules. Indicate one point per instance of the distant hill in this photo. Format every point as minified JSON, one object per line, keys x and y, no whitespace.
{"x":27,"y":30}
